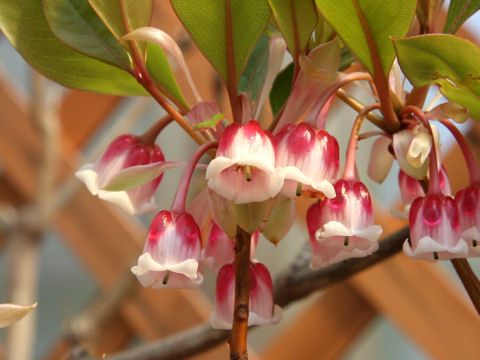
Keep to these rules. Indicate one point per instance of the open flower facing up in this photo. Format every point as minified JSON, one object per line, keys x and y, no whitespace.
{"x":468,"y":204}
{"x":342,"y":227}
{"x":244,"y":168}
{"x":435,"y":229}
{"x":261,"y":308}
{"x":171,"y":254}
{"x":125,"y":153}
{"x":308,"y":159}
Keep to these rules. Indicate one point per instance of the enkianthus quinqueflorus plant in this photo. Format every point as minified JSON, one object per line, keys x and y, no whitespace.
{"x":277,"y":145}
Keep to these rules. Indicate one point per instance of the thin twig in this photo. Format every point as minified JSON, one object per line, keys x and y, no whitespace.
{"x":469,"y":281}
{"x":293,"y":284}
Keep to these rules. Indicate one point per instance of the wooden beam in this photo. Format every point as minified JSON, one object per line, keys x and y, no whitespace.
{"x":328,"y":326}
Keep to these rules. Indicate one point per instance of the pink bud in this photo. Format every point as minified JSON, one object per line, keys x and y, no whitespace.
{"x":219,"y":248}
{"x":171,"y":254}
{"x":309,"y":157}
{"x":435,"y":229}
{"x":244,"y":168}
{"x":125,"y":152}
{"x":468,"y":204}
{"x":261,"y":308}
{"x":342,"y":227}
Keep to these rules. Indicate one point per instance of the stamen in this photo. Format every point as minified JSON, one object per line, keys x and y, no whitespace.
{"x":299,"y":189}
{"x":435,"y":255}
{"x":248,"y":173}
{"x":166,"y":277}
{"x":346,"y":241}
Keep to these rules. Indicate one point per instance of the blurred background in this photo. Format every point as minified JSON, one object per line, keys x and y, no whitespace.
{"x":71,"y":252}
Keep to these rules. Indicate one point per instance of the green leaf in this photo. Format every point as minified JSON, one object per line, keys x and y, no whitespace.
{"x":138,"y":13}
{"x":161,"y":72}
{"x":254,"y":73}
{"x":210,"y":123}
{"x":361,"y":23}
{"x":458,"y":12}
{"x":76,"y":24}
{"x":281,"y":89}
{"x":24,"y":25}
{"x":444,"y":60}
{"x":207,"y":20}
{"x":296,"y":20}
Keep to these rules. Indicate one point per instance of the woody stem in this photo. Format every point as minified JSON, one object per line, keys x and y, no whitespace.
{"x":238,"y":340}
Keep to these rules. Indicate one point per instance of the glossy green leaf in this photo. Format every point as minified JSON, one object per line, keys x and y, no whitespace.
{"x":458,"y":12}
{"x":24,"y":25}
{"x":296,"y":20}
{"x":209,"y":124}
{"x":281,"y":89}
{"x":76,"y":24}
{"x":138,"y":13}
{"x":161,"y":72}
{"x":450,"y":62}
{"x":207,"y":20}
{"x":361,"y":23}
{"x":254,"y":73}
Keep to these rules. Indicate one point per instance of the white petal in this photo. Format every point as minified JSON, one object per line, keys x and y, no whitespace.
{"x":11,"y":313}
{"x":332,"y":228}
{"x":381,"y":159}
{"x":146,"y":263}
{"x":371,"y":233}
{"x":426,"y":246}
{"x":293,"y":173}
{"x":89,"y":177}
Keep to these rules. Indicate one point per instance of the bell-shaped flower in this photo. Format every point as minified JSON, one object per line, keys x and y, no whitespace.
{"x":410,"y":189}
{"x":308,"y":159}
{"x":468,"y":204}
{"x":435,"y":229}
{"x":342,"y":227}
{"x":244,"y":167}
{"x":124,"y":154}
{"x":261,"y":307}
{"x":219,"y":248}
{"x":171,"y":254}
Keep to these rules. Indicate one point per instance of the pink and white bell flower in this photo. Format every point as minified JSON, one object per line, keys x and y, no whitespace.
{"x":219,"y":248}
{"x":244,"y":167}
{"x":410,"y":189}
{"x":125,"y":153}
{"x":261,"y":307}
{"x":342,"y":227}
{"x":171,"y":254}
{"x":435,"y":229}
{"x":468,"y":204}
{"x":308,"y":159}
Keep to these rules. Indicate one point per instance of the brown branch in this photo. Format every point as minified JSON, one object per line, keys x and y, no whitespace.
{"x":293,"y":284}
{"x":238,"y":341}
{"x":469,"y":280}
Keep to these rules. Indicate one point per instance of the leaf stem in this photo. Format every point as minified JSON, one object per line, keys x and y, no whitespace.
{"x":149,"y":136}
{"x":472,"y":165}
{"x":238,"y":341}
{"x":349,"y":172}
{"x":178,"y":205}
{"x":379,"y":78}
{"x":235,"y":100}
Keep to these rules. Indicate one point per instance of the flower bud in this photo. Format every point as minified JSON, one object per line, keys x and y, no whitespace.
{"x":468,"y":204}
